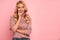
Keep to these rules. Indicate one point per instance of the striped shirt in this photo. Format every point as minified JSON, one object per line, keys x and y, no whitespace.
{"x":22,"y":25}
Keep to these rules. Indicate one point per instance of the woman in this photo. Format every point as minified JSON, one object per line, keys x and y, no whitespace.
{"x":20,"y":22}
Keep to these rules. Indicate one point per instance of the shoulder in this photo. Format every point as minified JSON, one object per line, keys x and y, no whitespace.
{"x":11,"y":18}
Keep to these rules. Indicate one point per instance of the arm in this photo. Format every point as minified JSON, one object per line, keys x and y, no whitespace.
{"x":28,"y":30}
{"x":14,"y":24}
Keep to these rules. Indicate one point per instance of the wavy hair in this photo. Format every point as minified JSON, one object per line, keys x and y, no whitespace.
{"x":25,"y":12}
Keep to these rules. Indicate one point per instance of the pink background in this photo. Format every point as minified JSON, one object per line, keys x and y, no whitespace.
{"x":45,"y":16}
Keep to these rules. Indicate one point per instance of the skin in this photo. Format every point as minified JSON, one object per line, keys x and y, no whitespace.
{"x":21,"y":8}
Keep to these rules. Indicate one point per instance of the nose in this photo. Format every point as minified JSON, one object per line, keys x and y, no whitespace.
{"x":20,"y":9}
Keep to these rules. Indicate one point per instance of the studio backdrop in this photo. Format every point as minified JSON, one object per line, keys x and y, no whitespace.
{"x":45,"y":15}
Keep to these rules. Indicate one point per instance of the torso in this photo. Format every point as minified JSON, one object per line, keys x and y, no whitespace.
{"x":21,"y":27}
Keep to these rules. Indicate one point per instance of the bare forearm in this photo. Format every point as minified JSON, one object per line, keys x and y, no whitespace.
{"x":23,"y":31}
{"x":16,"y":25}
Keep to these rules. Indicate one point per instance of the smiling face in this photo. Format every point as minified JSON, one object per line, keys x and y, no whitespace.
{"x":21,"y":8}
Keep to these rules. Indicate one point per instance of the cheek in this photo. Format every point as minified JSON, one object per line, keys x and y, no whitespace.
{"x":18,"y":9}
{"x":23,"y":9}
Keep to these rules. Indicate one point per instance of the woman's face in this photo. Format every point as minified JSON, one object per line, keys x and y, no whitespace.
{"x":21,"y":8}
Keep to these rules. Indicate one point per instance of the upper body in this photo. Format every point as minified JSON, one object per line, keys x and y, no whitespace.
{"x":20,"y":22}
{"x":22,"y":26}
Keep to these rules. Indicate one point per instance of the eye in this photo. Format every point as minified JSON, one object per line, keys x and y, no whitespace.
{"x":22,"y":6}
{"x":18,"y":7}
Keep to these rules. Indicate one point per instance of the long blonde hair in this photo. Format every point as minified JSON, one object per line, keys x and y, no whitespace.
{"x":25,"y":11}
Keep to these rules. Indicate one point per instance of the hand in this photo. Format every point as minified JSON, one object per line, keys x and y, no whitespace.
{"x":20,"y":14}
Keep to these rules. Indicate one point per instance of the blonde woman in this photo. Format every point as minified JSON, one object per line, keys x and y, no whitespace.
{"x":20,"y":22}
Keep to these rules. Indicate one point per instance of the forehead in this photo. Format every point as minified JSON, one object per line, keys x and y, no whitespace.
{"x":20,"y":5}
